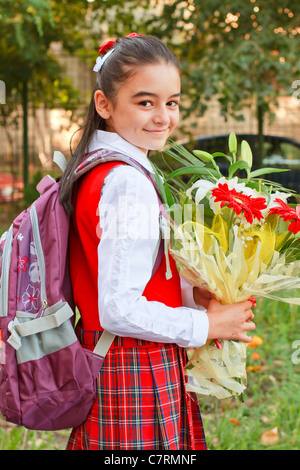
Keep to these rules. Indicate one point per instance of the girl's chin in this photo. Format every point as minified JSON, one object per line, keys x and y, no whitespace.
{"x":152,"y":148}
{"x":158,"y":145}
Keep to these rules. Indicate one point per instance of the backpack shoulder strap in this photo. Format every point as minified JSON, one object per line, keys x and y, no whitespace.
{"x":60,"y":160}
{"x":96,"y":157}
{"x":104,"y":343}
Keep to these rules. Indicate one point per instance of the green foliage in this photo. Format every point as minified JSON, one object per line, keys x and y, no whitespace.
{"x":18,"y":438}
{"x":23,"y":45}
{"x":30,"y":193}
{"x":270,"y":400}
{"x":31,"y":74}
{"x":236,"y":51}
{"x":28,"y":28}
{"x":199,"y":164}
{"x":292,"y":249}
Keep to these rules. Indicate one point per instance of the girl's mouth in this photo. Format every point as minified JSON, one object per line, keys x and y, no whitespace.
{"x":157,"y":131}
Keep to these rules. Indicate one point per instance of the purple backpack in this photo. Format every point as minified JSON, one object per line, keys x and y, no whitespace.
{"x":47,"y":380}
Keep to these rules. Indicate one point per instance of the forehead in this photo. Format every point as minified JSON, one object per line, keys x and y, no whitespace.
{"x":160,"y":79}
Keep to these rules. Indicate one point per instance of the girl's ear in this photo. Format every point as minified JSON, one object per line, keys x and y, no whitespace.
{"x":102,"y":104}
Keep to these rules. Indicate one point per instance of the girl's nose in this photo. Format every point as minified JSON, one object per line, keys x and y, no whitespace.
{"x":161,"y":116}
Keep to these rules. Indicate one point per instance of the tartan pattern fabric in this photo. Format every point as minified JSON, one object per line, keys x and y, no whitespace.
{"x":141,"y":402}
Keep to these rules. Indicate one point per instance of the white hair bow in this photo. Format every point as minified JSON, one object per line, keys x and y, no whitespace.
{"x":100,"y":61}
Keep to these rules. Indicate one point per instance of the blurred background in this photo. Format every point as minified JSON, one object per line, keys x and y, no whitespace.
{"x":240,"y":72}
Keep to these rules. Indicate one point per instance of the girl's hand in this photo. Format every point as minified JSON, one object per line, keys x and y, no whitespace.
{"x":202,"y":296}
{"x":230,"y":321}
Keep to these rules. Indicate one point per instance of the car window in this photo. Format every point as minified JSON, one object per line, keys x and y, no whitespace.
{"x":281,"y":153}
{"x":291,"y":153}
{"x":211,"y":145}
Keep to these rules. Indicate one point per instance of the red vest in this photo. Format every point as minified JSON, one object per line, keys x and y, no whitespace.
{"x":84,"y":240}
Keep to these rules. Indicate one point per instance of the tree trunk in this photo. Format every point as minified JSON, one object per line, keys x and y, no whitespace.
{"x":25,"y":131}
{"x":260,"y":148}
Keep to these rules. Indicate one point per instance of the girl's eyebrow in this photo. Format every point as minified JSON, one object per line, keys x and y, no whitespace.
{"x":148,"y":93}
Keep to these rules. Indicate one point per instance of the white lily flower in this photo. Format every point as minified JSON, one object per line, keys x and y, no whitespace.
{"x":278,"y":195}
{"x":203,"y":186}
{"x":252,"y":192}
{"x":233,"y":184}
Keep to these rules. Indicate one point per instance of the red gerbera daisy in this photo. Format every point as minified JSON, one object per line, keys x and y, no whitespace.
{"x":239,"y":202}
{"x":287,"y":213}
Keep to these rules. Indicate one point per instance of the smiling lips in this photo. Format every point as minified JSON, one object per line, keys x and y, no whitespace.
{"x":157,"y":132}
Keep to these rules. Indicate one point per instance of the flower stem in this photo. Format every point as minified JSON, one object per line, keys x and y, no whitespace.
{"x":278,"y":248}
{"x":230,"y":223}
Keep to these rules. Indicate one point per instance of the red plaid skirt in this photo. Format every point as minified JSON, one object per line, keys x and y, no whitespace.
{"x":141,"y":401}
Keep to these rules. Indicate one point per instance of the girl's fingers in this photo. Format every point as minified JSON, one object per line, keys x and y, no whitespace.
{"x":245,"y":304}
{"x":245,"y":338}
{"x":250,"y":314}
{"x":253,"y":301}
{"x":250,"y":303}
{"x":250,"y":325}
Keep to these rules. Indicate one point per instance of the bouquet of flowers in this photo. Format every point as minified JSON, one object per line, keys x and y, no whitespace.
{"x":236,"y":237}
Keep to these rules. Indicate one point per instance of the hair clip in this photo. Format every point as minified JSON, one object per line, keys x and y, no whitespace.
{"x":100,"y":61}
{"x":106,"y":49}
{"x":106,"y":46}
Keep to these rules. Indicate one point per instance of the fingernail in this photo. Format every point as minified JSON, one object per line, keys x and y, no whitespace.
{"x":252,"y":299}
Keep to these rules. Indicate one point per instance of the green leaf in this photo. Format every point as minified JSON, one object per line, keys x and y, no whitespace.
{"x":246,"y":153}
{"x":291,"y":249}
{"x":204,"y":156}
{"x":239,"y":165}
{"x":263,"y":171}
{"x":169,"y":197}
{"x":184,"y":155}
{"x":192,"y":170}
{"x":232,"y":143}
{"x":220,"y":154}
{"x":159,"y":183}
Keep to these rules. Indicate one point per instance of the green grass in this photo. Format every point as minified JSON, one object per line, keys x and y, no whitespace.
{"x":19,"y":438}
{"x":272,"y":397}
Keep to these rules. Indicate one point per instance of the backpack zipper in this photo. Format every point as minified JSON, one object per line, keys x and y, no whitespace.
{"x":40,"y":255}
{"x":5,"y":272}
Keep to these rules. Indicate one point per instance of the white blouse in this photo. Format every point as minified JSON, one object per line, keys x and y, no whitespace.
{"x":129,"y":221}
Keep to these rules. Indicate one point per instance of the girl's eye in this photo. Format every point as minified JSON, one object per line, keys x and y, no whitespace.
{"x":173,"y":104}
{"x":146,"y":104}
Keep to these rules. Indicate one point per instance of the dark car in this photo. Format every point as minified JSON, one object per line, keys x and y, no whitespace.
{"x":278,"y":152}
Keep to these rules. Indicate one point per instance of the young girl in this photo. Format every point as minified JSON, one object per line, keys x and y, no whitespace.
{"x":141,"y":399}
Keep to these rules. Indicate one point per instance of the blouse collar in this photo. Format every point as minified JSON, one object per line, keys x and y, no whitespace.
{"x":112,"y":141}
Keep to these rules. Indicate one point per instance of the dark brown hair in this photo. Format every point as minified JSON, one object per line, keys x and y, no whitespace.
{"x":129,"y":54}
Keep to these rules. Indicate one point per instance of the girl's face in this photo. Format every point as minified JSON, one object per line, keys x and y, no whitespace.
{"x":146,"y":108}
